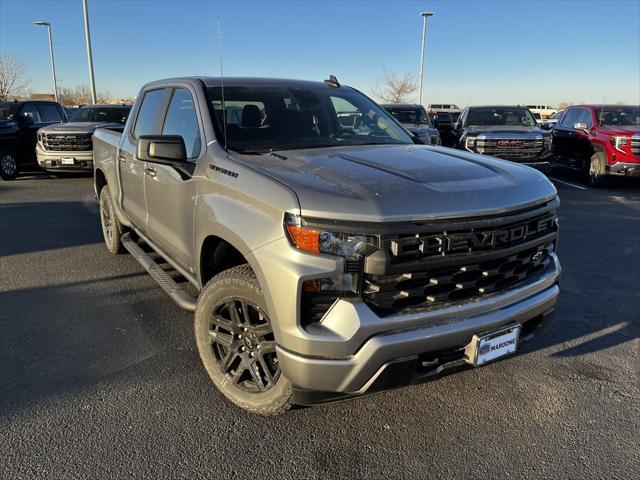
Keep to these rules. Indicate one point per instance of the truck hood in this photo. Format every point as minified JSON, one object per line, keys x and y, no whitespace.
{"x":620,"y":130}
{"x":511,"y":132}
{"x":74,"y":127}
{"x":401,"y":182}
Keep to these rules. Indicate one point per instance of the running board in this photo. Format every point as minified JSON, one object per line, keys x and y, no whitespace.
{"x":177,"y":294}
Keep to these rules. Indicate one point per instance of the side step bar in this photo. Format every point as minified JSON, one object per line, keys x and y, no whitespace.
{"x":178,"y":295}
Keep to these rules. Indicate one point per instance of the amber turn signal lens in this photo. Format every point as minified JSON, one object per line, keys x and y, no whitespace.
{"x":305,"y":238}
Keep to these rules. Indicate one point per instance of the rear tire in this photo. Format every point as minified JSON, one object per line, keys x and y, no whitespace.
{"x":8,"y":164}
{"x":236,"y":343}
{"x":111,"y":228}
{"x":597,"y":171}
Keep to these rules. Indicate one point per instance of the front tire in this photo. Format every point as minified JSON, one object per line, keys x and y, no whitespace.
{"x":236,"y":343}
{"x":597,"y":171}
{"x":8,"y":164}
{"x":111,"y":227}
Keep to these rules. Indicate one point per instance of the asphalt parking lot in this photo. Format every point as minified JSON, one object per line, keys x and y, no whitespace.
{"x":100,"y":377}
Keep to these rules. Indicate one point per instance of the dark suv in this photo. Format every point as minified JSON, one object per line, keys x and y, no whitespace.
{"x":415,"y":119}
{"x":19,"y":124}
{"x":507,"y":132}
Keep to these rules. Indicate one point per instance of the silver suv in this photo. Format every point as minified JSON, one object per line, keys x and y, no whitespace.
{"x":331,"y":258}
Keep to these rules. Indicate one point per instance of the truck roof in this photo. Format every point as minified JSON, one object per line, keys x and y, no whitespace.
{"x":605,"y":105}
{"x":244,"y":82}
{"x":401,"y":105}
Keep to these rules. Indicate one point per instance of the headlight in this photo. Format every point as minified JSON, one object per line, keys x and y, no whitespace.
{"x":470,"y":143}
{"x":315,"y":240}
{"x":39,"y":137}
{"x":546,"y":141}
{"x":619,"y":142}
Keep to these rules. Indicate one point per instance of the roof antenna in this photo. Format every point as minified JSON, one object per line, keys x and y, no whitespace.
{"x":604,"y":101}
{"x":224,"y":109}
{"x":332,"y":81}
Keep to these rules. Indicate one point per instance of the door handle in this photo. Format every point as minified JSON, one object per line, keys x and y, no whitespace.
{"x":150,"y":171}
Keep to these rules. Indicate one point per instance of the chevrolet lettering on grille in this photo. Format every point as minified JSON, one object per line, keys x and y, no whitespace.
{"x":450,"y":243}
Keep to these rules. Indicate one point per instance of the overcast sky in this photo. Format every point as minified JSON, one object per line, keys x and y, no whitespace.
{"x":477,"y":51}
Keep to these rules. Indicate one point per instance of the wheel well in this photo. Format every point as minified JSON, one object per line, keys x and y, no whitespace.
{"x":100,"y":181}
{"x":216,"y":256}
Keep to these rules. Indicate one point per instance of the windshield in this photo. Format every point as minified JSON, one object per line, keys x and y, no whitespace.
{"x":7,"y":110}
{"x":415,"y":116}
{"x":619,"y":116}
{"x":100,"y":114}
{"x":263,"y":119}
{"x":510,"y":117}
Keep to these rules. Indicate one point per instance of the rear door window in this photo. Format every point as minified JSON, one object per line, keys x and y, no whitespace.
{"x":149,"y":121}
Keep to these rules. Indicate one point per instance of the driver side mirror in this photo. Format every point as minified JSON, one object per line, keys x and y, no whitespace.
{"x":581,"y":126}
{"x":163,"y":149}
{"x":25,"y":119}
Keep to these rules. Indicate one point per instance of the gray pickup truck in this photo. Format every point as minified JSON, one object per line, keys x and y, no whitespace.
{"x":327,"y":259}
{"x":415,"y":119}
{"x":67,"y":147}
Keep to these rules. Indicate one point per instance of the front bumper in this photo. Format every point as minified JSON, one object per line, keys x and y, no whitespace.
{"x":351,"y":348}
{"x":52,"y":161}
{"x":625,"y":169}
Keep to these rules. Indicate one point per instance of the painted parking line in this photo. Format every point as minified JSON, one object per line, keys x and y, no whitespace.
{"x":579,"y":187}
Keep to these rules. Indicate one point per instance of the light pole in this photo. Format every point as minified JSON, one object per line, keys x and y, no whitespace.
{"x":424,"y":38}
{"x":53,"y":63}
{"x":87,"y":35}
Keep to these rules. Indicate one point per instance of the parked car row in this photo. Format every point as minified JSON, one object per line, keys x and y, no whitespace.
{"x":596,"y":140}
{"x":43,"y":133}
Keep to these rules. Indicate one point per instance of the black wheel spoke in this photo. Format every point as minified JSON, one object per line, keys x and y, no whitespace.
{"x":246,"y":317}
{"x":255,"y":374}
{"x":265,"y":368}
{"x":228,"y":360}
{"x":233,"y":313}
{"x":267,"y":347}
{"x":224,"y":339}
{"x":262,"y":330}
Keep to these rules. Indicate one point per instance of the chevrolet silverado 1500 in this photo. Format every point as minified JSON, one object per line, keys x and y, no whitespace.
{"x":331,"y":259}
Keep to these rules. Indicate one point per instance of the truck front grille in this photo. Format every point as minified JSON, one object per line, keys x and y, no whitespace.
{"x":462,"y":261}
{"x":635,"y":145}
{"x":432,"y":286}
{"x":72,"y":142}
{"x":511,"y":148}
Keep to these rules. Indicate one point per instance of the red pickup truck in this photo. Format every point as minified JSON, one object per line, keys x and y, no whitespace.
{"x":600,"y":140}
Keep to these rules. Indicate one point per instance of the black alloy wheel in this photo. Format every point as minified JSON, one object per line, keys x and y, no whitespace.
{"x":243,"y":344}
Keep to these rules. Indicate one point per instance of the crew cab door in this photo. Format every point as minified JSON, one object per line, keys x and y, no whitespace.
{"x":170,"y":191}
{"x":33,"y":116}
{"x":148,"y":121}
{"x":563,"y":134}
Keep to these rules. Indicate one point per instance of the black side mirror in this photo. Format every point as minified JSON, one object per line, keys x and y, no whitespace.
{"x":24,"y":119}
{"x":163,"y":149}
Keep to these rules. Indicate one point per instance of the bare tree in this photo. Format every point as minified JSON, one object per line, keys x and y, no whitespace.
{"x":13,"y":83}
{"x":395,"y":89}
{"x":80,"y":95}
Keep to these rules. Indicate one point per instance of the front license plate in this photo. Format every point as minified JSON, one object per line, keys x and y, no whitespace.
{"x":67,"y":161}
{"x":489,"y":347}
